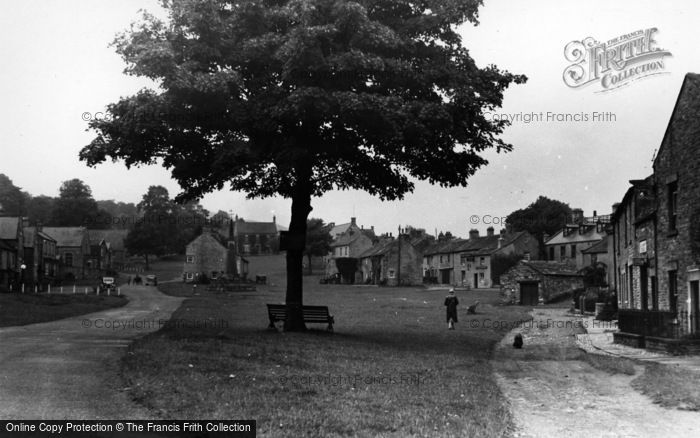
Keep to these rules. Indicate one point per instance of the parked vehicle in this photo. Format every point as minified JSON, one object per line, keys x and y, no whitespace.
{"x":151,"y":280}
{"x":108,"y":283}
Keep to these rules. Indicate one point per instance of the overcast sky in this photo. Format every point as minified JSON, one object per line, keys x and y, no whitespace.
{"x":57,"y":65}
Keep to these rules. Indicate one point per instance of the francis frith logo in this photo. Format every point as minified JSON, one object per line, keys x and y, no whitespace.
{"x":614,"y":63}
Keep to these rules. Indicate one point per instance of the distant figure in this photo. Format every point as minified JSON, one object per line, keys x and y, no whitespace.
{"x":451,"y":302}
{"x":518,"y":341}
{"x":472,"y":309}
{"x":129,"y":280}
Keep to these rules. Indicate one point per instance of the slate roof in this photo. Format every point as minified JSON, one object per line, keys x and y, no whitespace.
{"x":483,"y":245}
{"x":339,"y":229}
{"x":66,"y":236}
{"x":8,"y":228}
{"x":244,"y":227}
{"x":348,"y":238}
{"x":113,"y":238}
{"x":687,"y":107}
{"x":381,"y":247}
{"x":552,"y":268}
{"x":598,"y":248}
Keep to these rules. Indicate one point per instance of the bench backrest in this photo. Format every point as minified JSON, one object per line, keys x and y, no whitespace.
{"x":309,"y":311}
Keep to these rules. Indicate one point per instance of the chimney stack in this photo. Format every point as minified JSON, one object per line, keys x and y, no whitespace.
{"x":489,"y":231}
{"x":503,"y":232}
{"x":274,"y":219}
{"x":473,"y":234}
{"x":577,"y":216}
{"x":353,"y":221}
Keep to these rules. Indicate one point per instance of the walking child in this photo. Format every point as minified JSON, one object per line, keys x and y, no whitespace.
{"x":451,"y":303}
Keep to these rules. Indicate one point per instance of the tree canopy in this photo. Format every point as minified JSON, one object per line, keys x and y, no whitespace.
{"x":544,"y":216}
{"x":298,"y":97}
{"x":318,"y":240}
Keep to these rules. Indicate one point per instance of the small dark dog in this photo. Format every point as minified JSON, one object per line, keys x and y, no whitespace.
{"x":518,"y":341}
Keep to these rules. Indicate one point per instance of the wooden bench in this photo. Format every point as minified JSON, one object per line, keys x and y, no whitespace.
{"x":312,"y":314}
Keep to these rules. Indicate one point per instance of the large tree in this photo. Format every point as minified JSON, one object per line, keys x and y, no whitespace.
{"x":74,"y":206}
{"x":318,"y":240}
{"x":298,"y":97}
{"x":544,"y":216}
{"x":155,"y":231}
{"x":13,"y":200}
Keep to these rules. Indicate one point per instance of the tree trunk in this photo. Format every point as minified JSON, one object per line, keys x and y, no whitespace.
{"x":309,"y":257}
{"x":146,"y":258}
{"x":301,"y":207}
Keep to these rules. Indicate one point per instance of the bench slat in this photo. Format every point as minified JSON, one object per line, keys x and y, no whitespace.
{"x":311,"y":314}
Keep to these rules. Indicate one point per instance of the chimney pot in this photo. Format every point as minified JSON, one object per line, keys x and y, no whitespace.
{"x":489,"y":231}
{"x":473,"y":233}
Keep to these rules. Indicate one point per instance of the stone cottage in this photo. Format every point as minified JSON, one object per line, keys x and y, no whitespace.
{"x":580,"y":234}
{"x":350,"y":244}
{"x":393,"y":262}
{"x":213,"y":256}
{"x":469,"y":263}
{"x":538,"y":281}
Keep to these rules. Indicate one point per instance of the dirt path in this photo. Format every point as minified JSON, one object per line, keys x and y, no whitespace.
{"x":69,"y":368}
{"x":553,"y":393}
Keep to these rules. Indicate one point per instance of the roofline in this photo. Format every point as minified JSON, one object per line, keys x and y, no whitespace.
{"x":670,"y":119}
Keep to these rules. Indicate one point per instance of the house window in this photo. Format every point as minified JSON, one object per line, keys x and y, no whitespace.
{"x":562,"y":252}
{"x":392,"y":273}
{"x":672,"y":205}
{"x":481,"y":275}
{"x":440,"y":258}
{"x":190,"y":259}
{"x":573,"y":251}
{"x":527,"y":256}
{"x":189,"y":276}
{"x":673,"y":290}
{"x":463,"y":260}
{"x":68,"y":258}
{"x":214,"y":275}
{"x":551,"y":253}
{"x":482,"y":261}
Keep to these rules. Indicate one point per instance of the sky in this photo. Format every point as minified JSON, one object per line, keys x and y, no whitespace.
{"x":58,"y":68}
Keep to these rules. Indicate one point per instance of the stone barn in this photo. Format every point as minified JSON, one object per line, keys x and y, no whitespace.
{"x":533,"y":282}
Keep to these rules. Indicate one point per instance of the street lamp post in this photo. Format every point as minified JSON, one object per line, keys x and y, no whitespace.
{"x":22,"y":267}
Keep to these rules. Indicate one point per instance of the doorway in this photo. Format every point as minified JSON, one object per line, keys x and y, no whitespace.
{"x":529,"y":293}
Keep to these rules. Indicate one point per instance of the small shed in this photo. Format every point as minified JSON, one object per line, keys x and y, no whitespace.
{"x":537,"y":281}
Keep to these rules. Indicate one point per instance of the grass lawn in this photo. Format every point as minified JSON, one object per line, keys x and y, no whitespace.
{"x":30,"y":308}
{"x":391,"y":367}
{"x":670,"y":386}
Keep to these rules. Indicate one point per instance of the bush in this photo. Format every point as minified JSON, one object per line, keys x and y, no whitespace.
{"x":203,"y":279}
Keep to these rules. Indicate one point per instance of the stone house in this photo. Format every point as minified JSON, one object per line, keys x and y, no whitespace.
{"x":656,"y":238}
{"x":568,"y":244}
{"x":116,"y":255}
{"x":212,"y":255}
{"x":598,"y":255}
{"x":349,"y":245}
{"x":8,"y":266}
{"x":438,"y":265}
{"x":392,"y":262}
{"x":40,"y":257}
{"x":538,"y":281}
{"x":12,"y":237}
{"x":73,"y":248}
{"x":469,"y":262}
{"x":256,"y":238}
